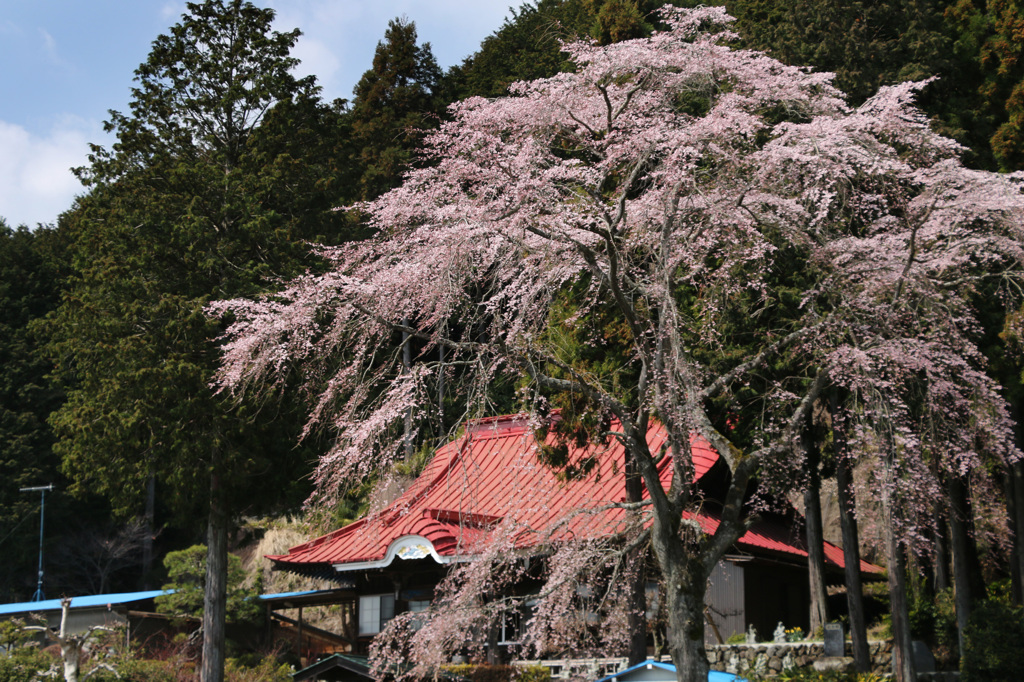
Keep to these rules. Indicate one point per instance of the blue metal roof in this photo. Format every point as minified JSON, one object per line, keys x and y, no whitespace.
{"x":713,"y":675}
{"x":286,"y":595}
{"x":119,"y":598}
{"x":81,"y":602}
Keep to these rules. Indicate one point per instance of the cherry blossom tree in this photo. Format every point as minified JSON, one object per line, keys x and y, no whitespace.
{"x":751,"y":239}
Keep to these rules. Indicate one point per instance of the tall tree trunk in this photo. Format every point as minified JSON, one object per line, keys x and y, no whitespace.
{"x":815,"y":541}
{"x":902,"y":651}
{"x":147,"y":540}
{"x":215,"y":597}
{"x":941,"y":565}
{"x":958,"y":541}
{"x":406,"y":368}
{"x":1017,"y":477}
{"x":1011,"y":515}
{"x":637,"y":593}
{"x":851,"y":546}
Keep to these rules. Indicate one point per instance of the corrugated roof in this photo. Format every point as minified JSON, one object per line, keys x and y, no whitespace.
{"x":493,"y":474}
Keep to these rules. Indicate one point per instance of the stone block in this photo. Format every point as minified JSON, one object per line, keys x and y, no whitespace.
{"x":829,"y":663}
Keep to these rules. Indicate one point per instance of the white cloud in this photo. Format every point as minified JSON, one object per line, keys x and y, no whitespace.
{"x":36,"y":183}
{"x":171,"y":12}
{"x":317,"y":59}
{"x":50,"y":48}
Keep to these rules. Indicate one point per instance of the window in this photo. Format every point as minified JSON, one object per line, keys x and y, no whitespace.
{"x":513,"y":623}
{"x":417,"y":606}
{"x":374,"y":611}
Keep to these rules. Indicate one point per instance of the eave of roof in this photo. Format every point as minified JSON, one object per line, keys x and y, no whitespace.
{"x":491,"y":472}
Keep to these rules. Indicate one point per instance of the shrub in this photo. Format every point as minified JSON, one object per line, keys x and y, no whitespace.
{"x":268,"y":669}
{"x":933,"y":621}
{"x":992,"y":643}
{"x":24,"y":664}
{"x":499,"y":673}
{"x":809,"y":675}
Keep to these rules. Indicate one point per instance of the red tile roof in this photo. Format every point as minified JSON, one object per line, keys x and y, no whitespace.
{"x":492,"y":474}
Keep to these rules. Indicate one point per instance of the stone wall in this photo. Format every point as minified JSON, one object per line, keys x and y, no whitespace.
{"x":770,"y":657}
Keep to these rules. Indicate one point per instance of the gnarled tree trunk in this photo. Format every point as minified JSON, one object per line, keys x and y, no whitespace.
{"x":685,"y":587}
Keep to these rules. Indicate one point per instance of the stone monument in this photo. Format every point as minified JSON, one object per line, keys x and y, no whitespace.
{"x":835,"y":641}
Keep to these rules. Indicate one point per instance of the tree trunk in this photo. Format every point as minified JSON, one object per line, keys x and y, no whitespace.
{"x":637,"y":593}
{"x":684,"y":599}
{"x":851,"y":547}
{"x":70,"y":647}
{"x":1011,"y":514}
{"x":406,"y":368}
{"x":902,"y":651}
{"x":1017,"y":477}
{"x":215,"y":598}
{"x":147,"y":540}
{"x":941,"y":565}
{"x":815,"y":542}
{"x":958,"y":543}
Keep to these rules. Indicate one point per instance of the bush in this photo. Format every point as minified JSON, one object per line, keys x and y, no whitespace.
{"x":933,"y":621}
{"x":809,"y":675}
{"x":146,"y":670}
{"x":992,"y":643}
{"x":499,"y":673}
{"x":24,"y":664}
{"x":267,"y":669}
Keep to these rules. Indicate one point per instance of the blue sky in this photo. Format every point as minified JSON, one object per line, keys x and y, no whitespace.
{"x":65,"y":63}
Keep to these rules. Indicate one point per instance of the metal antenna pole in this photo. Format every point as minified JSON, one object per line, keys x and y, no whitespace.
{"x":41,"y":489}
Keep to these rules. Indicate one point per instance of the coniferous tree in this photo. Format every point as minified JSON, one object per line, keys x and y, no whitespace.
{"x":395,"y":101}
{"x":225,"y":164}
{"x":29,"y":289}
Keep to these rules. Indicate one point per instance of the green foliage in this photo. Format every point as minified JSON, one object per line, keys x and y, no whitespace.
{"x":30,"y":269}
{"x":12,"y":635}
{"x":498,"y":673}
{"x":992,"y":38}
{"x":265,"y":669}
{"x":992,"y":643}
{"x":134,"y":669}
{"x":933,"y":620}
{"x":186,"y":571}
{"x":209,"y":202}
{"x":25,"y":664}
{"x":527,"y":46}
